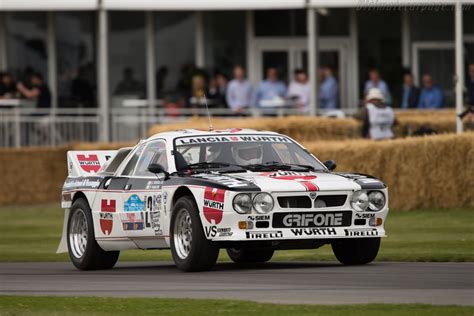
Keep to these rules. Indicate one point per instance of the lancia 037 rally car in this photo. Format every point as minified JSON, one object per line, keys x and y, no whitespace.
{"x":250,"y":192}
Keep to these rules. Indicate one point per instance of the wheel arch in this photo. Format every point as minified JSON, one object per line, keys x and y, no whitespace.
{"x":180,"y":192}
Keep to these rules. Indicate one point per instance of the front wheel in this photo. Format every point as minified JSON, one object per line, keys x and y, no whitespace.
{"x":83,"y":249}
{"x":190,"y":248}
{"x":250,"y":255}
{"x":356,"y":251}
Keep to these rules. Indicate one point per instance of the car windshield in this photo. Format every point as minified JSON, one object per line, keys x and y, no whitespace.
{"x":247,"y":151}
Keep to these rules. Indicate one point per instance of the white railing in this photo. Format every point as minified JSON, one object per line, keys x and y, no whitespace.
{"x":28,"y":126}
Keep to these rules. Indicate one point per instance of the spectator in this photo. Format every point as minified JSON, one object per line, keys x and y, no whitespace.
{"x":270,"y":91}
{"x":329,"y":90}
{"x":378,"y":118}
{"x":239,"y":91}
{"x":375,"y":81}
{"x":470,"y":85}
{"x":160,"y":78}
{"x":82,"y":91}
{"x":7,"y":86}
{"x":38,"y":92}
{"x":218,"y":89}
{"x":299,"y":90}
{"x":410,"y":92}
{"x":129,"y":85}
{"x":431,"y":96}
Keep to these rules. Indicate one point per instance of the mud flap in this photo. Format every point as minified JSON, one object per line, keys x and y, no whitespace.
{"x":63,"y":243}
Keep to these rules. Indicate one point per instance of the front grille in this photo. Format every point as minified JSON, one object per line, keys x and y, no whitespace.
{"x":330,"y":201}
{"x":294,"y":201}
{"x":304,"y":201}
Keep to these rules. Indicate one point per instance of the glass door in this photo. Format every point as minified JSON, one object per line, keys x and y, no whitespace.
{"x":290,"y":54}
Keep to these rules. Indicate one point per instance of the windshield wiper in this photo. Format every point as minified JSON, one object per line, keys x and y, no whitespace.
{"x":213,"y":165}
{"x":273,"y":165}
{"x":206,"y":165}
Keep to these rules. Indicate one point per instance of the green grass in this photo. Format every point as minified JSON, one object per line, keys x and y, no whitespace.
{"x":28,"y":305}
{"x":32,"y":234}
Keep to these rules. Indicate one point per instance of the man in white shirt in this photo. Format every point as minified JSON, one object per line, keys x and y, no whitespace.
{"x":299,"y":90}
{"x":380,"y":118}
{"x":239,"y":91}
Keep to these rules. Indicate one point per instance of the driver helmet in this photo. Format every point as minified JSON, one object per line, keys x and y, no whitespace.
{"x":248,"y":154}
{"x":213,"y":152}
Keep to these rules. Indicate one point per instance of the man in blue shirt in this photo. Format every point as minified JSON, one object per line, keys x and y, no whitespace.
{"x":329,"y":89}
{"x":270,"y":91}
{"x":410,"y":92}
{"x":431,"y":96}
{"x":376,"y":81}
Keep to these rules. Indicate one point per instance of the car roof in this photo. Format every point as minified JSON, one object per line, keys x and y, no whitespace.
{"x":198,"y":132}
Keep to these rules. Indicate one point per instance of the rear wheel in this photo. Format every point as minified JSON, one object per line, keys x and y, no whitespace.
{"x":190,"y":248}
{"x":83,"y":249}
{"x":356,"y":251}
{"x":250,"y":255}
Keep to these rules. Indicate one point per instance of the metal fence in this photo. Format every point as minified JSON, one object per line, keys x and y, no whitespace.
{"x":21,"y":127}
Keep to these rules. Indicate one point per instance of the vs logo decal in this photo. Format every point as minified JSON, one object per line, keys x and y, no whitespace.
{"x":107,"y":208}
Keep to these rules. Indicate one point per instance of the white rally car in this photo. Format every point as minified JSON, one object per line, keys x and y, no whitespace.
{"x":250,"y":192}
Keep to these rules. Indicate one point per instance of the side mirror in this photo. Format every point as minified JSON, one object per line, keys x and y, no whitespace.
{"x":157,"y":168}
{"x":330,"y":164}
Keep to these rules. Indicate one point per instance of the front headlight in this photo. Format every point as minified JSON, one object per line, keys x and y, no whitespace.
{"x":242,"y":203}
{"x":360,"y":201}
{"x":263,"y":203}
{"x":376,"y":201}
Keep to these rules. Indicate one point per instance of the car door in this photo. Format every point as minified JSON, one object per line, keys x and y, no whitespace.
{"x":108,"y":204}
{"x":143,"y":198}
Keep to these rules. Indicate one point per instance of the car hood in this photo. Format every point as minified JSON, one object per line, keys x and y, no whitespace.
{"x":289,"y":181}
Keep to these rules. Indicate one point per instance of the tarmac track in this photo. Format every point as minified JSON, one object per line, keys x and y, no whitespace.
{"x":276,"y":282}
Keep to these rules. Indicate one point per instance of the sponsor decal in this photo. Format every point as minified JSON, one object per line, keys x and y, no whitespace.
{"x":222,"y":179}
{"x":107,"y":208}
{"x":153,"y":185}
{"x":165,"y":201}
{"x":133,"y":221}
{"x":364,"y":215}
{"x":213,"y":205}
{"x":303,"y":178}
{"x":89,"y":163}
{"x":361,"y":232}
{"x":153,"y":213}
{"x":264,"y":234}
{"x":213,"y":231}
{"x":224,"y":139}
{"x":312,"y":219}
{"x":88,"y":183}
{"x":313,"y":231}
{"x":259,"y":217}
{"x":134,"y":204}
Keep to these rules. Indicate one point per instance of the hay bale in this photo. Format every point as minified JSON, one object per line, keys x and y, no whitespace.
{"x":425,"y":172}
{"x":297,"y":127}
{"x":305,"y":128}
{"x":32,"y":175}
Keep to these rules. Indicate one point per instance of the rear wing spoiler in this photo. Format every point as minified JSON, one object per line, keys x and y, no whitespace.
{"x":88,"y":163}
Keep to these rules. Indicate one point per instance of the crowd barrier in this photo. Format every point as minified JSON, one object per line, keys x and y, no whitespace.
{"x":424,"y":172}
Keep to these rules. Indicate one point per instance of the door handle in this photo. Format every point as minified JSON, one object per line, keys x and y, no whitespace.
{"x":128,"y":187}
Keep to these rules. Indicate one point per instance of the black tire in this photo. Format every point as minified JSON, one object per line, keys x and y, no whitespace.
{"x":250,"y":255}
{"x":356,"y":251}
{"x":202,"y":254}
{"x":93,"y":257}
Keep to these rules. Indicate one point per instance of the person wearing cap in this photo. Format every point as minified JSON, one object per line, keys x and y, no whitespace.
{"x":378,"y":118}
